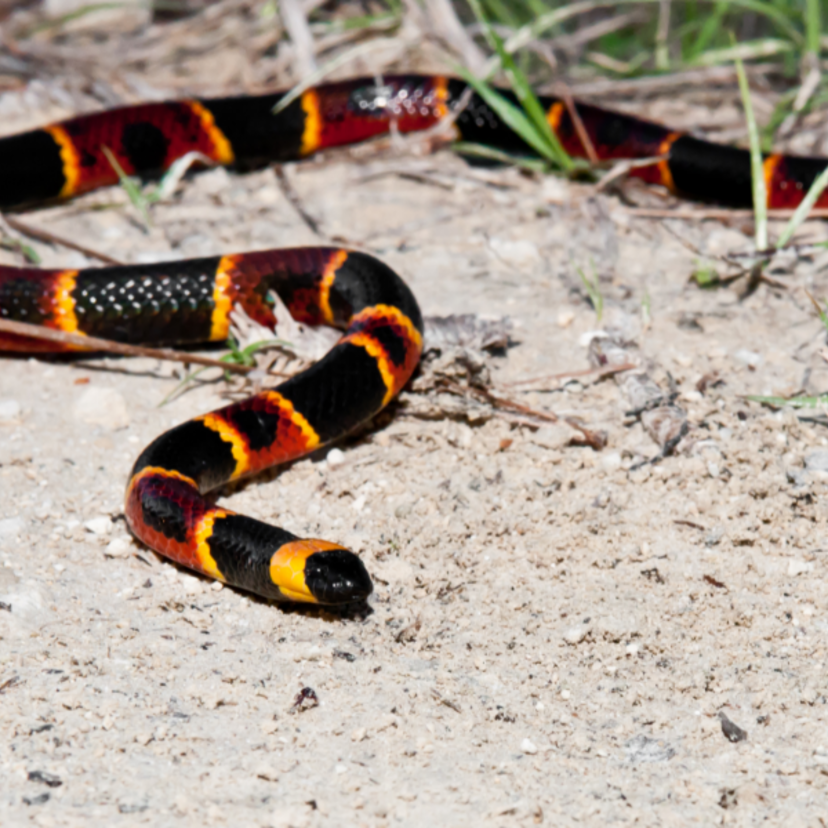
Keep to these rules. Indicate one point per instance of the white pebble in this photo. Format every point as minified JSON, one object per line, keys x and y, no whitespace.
{"x":585,"y":338}
{"x":529,"y":747}
{"x":9,"y":410}
{"x":99,"y":525}
{"x":575,"y":635}
{"x":268,"y":772}
{"x":815,"y":460}
{"x":101,"y":406}
{"x":9,"y":527}
{"x":749,"y":358}
{"x":335,"y":458}
{"x":796,"y":567}
{"x":565,"y":318}
{"x":553,"y":436}
{"x":611,"y":461}
{"x":554,"y":190}
{"x":118,"y":548}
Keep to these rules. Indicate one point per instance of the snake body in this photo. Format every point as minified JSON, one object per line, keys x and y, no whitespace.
{"x":190,"y":301}
{"x":68,"y":158}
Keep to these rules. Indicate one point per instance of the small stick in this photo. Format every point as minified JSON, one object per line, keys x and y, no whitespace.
{"x":93,"y":343}
{"x":716,"y":213}
{"x":601,"y":372}
{"x":595,"y":440}
{"x":622,"y":167}
{"x":586,"y":141}
{"x":293,"y":199}
{"x":52,"y":238}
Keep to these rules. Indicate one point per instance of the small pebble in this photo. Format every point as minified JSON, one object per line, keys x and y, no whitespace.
{"x":101,"y":406}
{"x":9,"y":527}
{"x":817,"y":460}
{"x":749,"y":358}
{"x":731,"y":730}
{"x":797,"y":567}
{"x":565,"y":318}
{"x":611,"y":461}
{"x":575,"y":635}
{"x":267,"y":772}
{"x":529,"y":747}
{"x":9,"y":410}
{"x":554,"y":190}
{"x":556,"y":436}
{"x":335,"y":458}
{"x":714,"y":536}
{"x":99,"y":525}
{"x":117,"y":548}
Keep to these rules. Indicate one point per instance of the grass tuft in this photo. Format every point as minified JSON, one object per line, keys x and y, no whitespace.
{"x":593,"y":290}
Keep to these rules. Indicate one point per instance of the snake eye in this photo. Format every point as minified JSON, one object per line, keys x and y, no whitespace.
{"x":337,"y":576}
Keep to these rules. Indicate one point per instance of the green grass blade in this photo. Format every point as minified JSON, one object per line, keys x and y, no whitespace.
{"x":710,"y":28}
{"x":239,"y":356}
{"x":137,"y":198}
{"x":492,"y":154}
{"x":593,"y":290}
{"x":17,"y":246}
{"x":532,"y":31}
{"x":778,"y":15}
{"x":511,"y":115}
{"x":662,"y":52}
{"x":750,"y":50}
{"x":526,"y":96}
{"x":793,"y":402}
{"x":813,"y":27}
{"x":706,"y":276}
{"x":503,"y":13}
{"x":757,"y":172}
{"x":820,"y":312}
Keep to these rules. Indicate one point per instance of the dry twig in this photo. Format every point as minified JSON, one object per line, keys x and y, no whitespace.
{"x":52,"y":238}
{"x":93,"y":343}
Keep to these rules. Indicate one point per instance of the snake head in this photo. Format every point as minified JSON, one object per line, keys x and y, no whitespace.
{"x":319,"y":572}
{"x":337,"y":576}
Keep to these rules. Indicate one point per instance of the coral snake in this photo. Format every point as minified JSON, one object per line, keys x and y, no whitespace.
{"x":190,"y":301}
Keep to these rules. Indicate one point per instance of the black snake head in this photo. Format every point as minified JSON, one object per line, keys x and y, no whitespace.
{"x":337,"y":576}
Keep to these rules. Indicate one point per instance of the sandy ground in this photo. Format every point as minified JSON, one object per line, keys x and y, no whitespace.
{"x":555,"y":630}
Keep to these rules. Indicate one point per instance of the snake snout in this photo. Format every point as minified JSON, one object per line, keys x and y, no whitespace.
{"x":337,"y":576}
